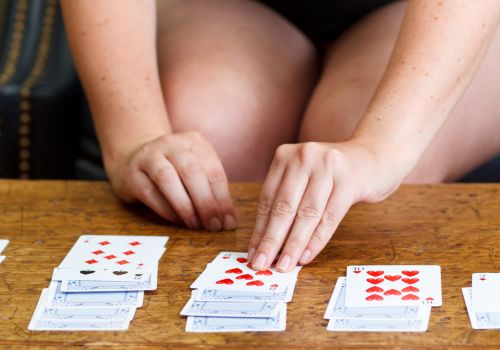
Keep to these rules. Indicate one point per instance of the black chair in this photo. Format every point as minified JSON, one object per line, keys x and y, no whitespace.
{"x":45,"y":125}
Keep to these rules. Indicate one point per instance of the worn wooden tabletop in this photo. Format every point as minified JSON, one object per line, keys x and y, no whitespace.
{"x":455,"y":226}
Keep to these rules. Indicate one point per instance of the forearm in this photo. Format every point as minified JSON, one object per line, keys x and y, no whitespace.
{"x":114,"y":49}
{"x":439,"y":47}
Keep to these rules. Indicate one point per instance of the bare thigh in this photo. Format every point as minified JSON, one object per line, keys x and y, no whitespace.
{"x":353,"y":68}
{"x":236,"y":72}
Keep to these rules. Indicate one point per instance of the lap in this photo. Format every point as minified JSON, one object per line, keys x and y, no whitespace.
{"x":352,"y":70}
{"x":238,"y":73}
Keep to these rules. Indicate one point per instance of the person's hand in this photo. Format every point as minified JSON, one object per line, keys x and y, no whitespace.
{"x":307,"y":192}
{"x":180,"y":177}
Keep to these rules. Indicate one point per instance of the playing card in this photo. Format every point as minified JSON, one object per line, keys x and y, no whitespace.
{"x":115,"y":253}
{"x":55,"y":297}
{"x":232,"y":272}
{"x":378,"y":325}
{"x":486,"y":292}
{"x":480,"y":320}
{"x":3,"y":244}
{"x":337,"y":308}
{"x":137,"y":275}
{"x":393,"y":285}
{"x":94,"y":313}
{"x":110,"y":286}
{"x":231,"y":308}
{"x":228,"y":295}
{"x":70,"y":325}
{"x":237,"y":324}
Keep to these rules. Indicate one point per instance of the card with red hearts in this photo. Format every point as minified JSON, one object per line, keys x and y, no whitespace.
{"x":393,"y":285}
{"x":486,"y":292}
{"x":232,"y":271}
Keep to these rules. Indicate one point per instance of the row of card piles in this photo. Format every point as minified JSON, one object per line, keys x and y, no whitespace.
{"x":100,"y":283}
{"x":483,"y":300}
{"x":229,"y":296}
{"x":384,"y":298}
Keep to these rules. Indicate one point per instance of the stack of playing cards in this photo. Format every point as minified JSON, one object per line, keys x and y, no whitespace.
{"x":3,"y":244}
{"x":384,"y":298}
{"x":482,"y":301}
{"x":231,"y":297}
{"x":100,"y":283}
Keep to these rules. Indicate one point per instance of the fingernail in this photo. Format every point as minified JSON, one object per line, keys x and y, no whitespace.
{"x":259,"y":262}
{"x":194,"y":222}
{"x":284,"y":262}
{"x":229,"y":222}
{"x":214,"y":224}
{"x":251,"y":253}
{"x":304,"y":259}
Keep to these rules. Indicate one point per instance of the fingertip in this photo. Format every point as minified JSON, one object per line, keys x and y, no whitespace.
{"x":251,"y":253}
{"x":229,"y":222}
{"x":306,"y":257}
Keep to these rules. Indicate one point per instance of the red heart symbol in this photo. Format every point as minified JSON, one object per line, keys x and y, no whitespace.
{"x":242,"y":260}
{"x":410,"y":280}
{"x":374,"y":289}
{"x":249,"y":265}
{"x":392,"y":292}
{"x":265,"y":272}
{"x":356,"y":271}
{"x":410,"y":273}
{"x":410,"y":297}
{"x":375,"y":273}
{"x":225,"y":281}
{"x":410,"y":289}
{"x":274,"y":285}
{"x":255,"y":283}
{"x":375,"y":280}
{"x":392,"y":278}
{"x":374,"y":297}
{"x":482,"y":279}
{"x":245,"y":277}
{"x":429,"y":298}
{"x":235,"y":270}
{"x":225,"y":257}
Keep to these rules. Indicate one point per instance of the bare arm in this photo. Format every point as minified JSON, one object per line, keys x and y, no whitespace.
{"x":114,"y":48}
{"x":310,"y":187}
{"x":179,"y":176}
{"x":440,"y":45}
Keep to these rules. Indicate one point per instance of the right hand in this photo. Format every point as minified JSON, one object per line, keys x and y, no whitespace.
{"x":180,"y":177}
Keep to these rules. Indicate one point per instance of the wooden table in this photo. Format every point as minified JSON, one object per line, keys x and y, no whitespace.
{"x":455,"y":226}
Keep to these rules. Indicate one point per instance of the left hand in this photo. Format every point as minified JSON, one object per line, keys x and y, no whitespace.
{"x":309,"y":189}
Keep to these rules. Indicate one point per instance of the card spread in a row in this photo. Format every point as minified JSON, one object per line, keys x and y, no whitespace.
{"x":100,"y":283}
{"x":482,"y":301}
{"x":229,"y":296}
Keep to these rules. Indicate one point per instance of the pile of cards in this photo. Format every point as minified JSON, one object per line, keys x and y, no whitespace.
{"x":3,"y":244}
{"x":384,"y":298}
{"x":229,"y":296}
{"x":483,"y":301}
{"x":100,"y":283}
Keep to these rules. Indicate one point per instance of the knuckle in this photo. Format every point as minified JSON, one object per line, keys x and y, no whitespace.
{"x":162,"y":176}
{"x":309,"y":213}
{"x":308,"y":150}
{"x":295,"y":242}
{"x":264,"y":208}
{"x":191,"y":169}
{"x":269,"y":241}
{"x":282,"y":208}
{"x":318,"y":240}
{"x":216,"y":176}
{"x":281,"y":152}
{"x":332,"y":157}
{"x":329,"y":218}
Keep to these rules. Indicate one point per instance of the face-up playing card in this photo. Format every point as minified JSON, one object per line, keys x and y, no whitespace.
{"x":486,"y":292}
{"x":337,"y":308}
{"x":3,"y":244}
{"x":393,"y":285}
{"x":56,"y":297}
{"x":378,"y":325}
{"x":237,"y":324}
{"x":117,"y":275}
{"x":81,"y":324}
{"x":231,"y":308}
{"x":232,"y":271}
{"x":114,"y":252}
{"x":203,"y":294}
{"x":480,"y":320}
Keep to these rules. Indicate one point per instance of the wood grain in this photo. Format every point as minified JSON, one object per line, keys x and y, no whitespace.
{"x":455,"y":226}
